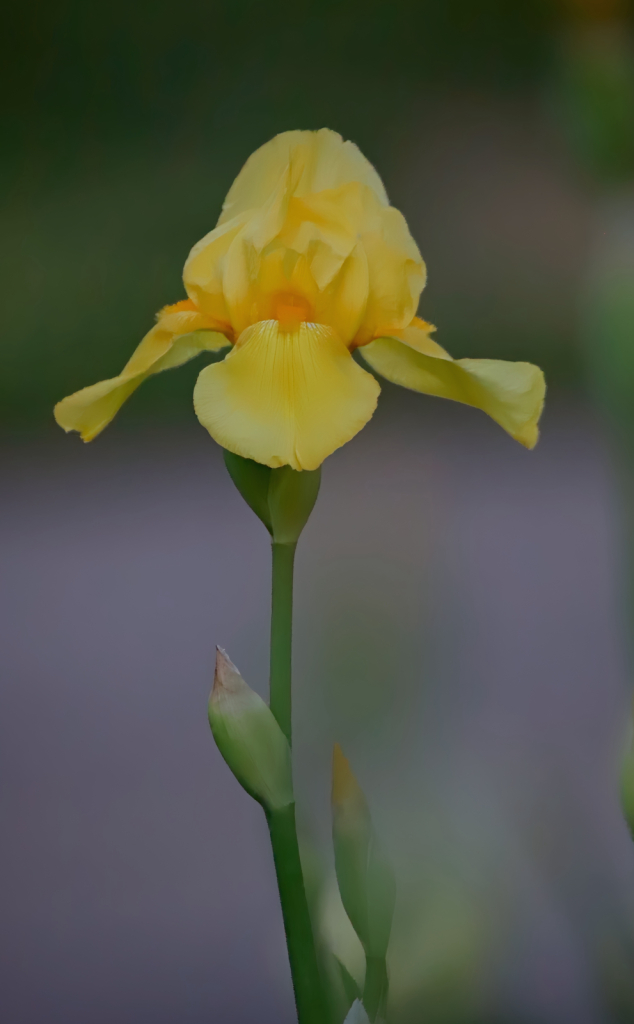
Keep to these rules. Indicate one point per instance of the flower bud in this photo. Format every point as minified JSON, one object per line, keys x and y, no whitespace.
{"x":366,"y":882}
{"x":249,"y":738}
{"x":281,"y":498}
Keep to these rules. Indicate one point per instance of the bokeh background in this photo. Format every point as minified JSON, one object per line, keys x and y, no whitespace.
{"x":463,"y":608}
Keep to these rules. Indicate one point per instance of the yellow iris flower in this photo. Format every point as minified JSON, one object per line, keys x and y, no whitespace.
{"x":307,"y":263}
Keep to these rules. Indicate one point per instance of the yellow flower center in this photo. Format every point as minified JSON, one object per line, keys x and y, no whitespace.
{"x":290,"y":311}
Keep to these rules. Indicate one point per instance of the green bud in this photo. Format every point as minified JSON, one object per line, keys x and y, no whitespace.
{"x":249,"y":738}
{"x":281,"y":498}
{"x":365,"y":879}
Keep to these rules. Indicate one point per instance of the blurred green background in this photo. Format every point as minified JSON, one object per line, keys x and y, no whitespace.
{"x":124,"y":124}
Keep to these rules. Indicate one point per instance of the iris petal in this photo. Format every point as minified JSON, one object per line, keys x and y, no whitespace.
{"x":285,"y":398}
{"x":315,"y":161}
{"x":512,"y":394}
{"x":397,"y":275}
{"x":175,"y":339}
{"x":204,"y":269}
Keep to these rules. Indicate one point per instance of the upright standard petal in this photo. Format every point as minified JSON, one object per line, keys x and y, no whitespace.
{"x":397,"y":275}
{"x":285,"y":398}
{"x":180,"y":334}
{"x":314,"y":161}
{"x":512,"y":394}
{"x":204,"y":269}
{"x":308,"y":217}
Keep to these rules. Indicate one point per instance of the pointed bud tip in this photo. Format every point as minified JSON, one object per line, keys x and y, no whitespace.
{"x":344,"y":783}
{"x":226,"y":675}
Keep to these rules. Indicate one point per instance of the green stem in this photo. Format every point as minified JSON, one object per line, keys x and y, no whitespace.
{"x":299,"y":933}
{"x":375,"y":987}
{"x":281,"y":636}
{"x":307,"y":985}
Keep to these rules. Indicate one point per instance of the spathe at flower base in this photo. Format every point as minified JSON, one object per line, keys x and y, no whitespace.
{"x":308,"y":262}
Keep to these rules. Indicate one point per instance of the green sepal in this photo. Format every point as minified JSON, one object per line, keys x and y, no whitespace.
{"x":292,"y":497}
{"x":249,"y":739}
{"x":252,"y":480}
{"x":282,"y":499}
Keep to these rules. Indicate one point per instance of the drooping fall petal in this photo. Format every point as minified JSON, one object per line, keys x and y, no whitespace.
{"x":177,"y":337}
{"x":285,"y":397}
{"x":511,"y":393}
